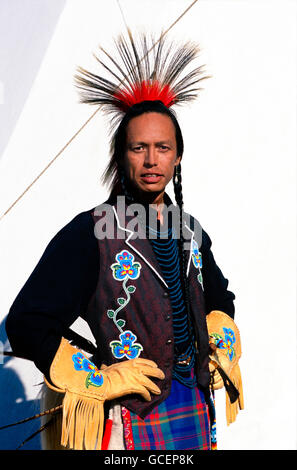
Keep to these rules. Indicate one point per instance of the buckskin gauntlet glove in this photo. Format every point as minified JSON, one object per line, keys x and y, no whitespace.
{"x":224,"y":338}
{"x":86,"y":388}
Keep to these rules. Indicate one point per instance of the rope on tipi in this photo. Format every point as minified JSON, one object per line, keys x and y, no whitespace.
{"x":91,"y":117}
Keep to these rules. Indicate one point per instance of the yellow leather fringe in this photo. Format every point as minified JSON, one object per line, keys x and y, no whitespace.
{"x":51,"y":435}
{"x":232,"y":409}
{"x":82,"y":423}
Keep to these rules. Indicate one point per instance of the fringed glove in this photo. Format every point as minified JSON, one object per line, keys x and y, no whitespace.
{"x":225,"y":344}
{"x":86,"y":388}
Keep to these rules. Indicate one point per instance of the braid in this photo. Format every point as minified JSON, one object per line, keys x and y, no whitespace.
{"x":177,"y":184}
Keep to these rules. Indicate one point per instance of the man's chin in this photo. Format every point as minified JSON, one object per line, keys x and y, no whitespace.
{"x":151,"y":189}
{"x":150,"y":192}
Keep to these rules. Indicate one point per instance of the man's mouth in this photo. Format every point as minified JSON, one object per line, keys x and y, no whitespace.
{"x":151,"y":177}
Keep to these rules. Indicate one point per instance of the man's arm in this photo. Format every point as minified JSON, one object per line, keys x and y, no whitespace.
{"x":55,"y":294}
{"x":217,"y":296}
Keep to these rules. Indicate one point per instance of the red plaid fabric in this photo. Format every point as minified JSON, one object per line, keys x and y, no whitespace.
{"x":180,"y":422}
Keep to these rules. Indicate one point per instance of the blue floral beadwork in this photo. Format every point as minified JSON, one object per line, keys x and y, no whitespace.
{"x":81,"y":363}
{"x":196,"y":255}
{"x":225,"y":343}
{"x":125,"y":266}
{"x":126,"y":347}
{"x":197,"y":260}
{"x":124,"y":270}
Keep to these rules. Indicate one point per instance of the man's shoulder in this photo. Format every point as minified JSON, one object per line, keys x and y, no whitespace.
{"x":200,"y":234}
{"x":80,"y":221}
{"x":78,"y":227}
{"x":193,"y":225}
{"x":75,"y":238}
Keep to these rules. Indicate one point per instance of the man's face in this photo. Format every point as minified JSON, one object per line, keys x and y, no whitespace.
{"x":151,"y":153}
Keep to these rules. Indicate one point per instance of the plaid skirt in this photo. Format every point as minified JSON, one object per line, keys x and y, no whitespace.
{"x":180,"y":422}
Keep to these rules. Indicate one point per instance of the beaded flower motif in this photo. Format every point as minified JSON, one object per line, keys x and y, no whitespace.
{"x":197,"y":260}
{"x":126,"y":347}
{"x":124,"y":270}
{"x":225,"y":343}
{"x":94,"y":376}
{"x":196,"y":255}
{"x":125,"y":266}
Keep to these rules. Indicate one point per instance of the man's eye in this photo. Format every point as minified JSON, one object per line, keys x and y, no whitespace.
{"x":138,"y":148}
{"x":164,"y":147}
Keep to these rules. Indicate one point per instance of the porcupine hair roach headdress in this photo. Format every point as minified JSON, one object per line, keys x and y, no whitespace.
{"x":144,"y":76}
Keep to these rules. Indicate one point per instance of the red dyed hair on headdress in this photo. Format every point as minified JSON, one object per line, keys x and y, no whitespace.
{"x":141,"y":71}
{"x":147,"y":90}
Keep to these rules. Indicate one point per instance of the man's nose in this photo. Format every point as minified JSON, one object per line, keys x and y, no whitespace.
{"x":151,"y":156}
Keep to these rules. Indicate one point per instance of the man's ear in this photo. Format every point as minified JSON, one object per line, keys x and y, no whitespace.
{"x":177,"y":161}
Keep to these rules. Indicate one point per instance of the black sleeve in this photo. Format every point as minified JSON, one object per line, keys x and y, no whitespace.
{"x":56,"y":293}
{"x":217,"y":297}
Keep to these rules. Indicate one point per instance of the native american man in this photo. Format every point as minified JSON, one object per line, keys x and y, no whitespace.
{"x":144,"y":283}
